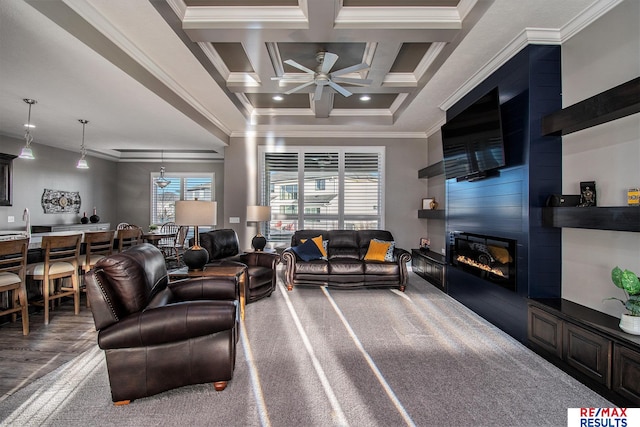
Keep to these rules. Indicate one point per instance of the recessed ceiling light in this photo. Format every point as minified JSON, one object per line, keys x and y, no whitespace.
{"x":277,"y":98}
{"x":365,"y":98}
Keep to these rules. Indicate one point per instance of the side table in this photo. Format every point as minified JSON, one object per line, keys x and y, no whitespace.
{"x":215,"y":271}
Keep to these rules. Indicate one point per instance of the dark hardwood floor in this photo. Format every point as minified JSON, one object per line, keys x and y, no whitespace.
{"x":24,"y":359}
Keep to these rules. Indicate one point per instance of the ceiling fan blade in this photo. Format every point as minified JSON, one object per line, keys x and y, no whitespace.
{"x":318,"y":93}
{"x":298,"y":66}
{"x":340,"y":89}
{"x":351,"y":69}
{"x":297,"y":88}
{"x":328,"y":61}
{"x":358,"y":82}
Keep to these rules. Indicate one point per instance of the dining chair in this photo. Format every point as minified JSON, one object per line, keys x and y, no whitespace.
{"x":98,"y":244}
{"x":13,"y":262}
{"x":61,"y":260}
{"x":128,"y":237}
{"x":167,"y":244}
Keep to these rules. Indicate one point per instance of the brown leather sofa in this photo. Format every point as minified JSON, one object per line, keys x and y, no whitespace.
{"x":345,"y":265}
{"x":224,"y":248}
{"x":159,"y":335}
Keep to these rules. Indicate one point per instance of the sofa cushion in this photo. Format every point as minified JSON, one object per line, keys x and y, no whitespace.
{"x":346,"y":266}
{"x":377,"y":250}
{"x":381,"y":268}
{"x":308,"y":251}
{"x":320,"y":243}
{"x":313,"y":267}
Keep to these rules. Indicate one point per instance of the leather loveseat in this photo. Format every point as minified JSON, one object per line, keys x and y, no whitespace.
{"x":346,"y":263}
{"x":158,"y":335}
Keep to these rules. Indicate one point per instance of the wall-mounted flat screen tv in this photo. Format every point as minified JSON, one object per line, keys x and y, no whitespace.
{"x":472,"y":142}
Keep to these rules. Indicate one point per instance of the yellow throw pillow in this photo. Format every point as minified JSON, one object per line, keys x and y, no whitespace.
{"x":376,"y":251}
{"x":318,"y":241}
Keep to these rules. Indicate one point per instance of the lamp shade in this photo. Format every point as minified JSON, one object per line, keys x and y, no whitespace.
{"x":258,"y":213}
{"x":196,"y":212}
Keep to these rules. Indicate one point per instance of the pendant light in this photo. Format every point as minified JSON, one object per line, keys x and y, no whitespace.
{"x":26,"y":152}
{"x":82,"y":163}
{"x":162,"y":182}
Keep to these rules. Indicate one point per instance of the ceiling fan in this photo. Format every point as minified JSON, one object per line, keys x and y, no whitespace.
{"x":321,"y":77}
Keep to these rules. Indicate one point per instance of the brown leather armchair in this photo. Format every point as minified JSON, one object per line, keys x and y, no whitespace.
{"x":159,"y":335}
{"x":224,"y":247}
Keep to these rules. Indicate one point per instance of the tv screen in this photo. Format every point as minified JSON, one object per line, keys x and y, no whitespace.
{"x":472,"y":142}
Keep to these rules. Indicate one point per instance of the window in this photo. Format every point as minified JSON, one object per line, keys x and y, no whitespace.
{"x":333,"y":188}
{"x":183,"y":186}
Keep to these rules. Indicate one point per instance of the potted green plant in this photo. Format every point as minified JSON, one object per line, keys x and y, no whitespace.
{"x":629,"y":282}
{"x":153,"y":228}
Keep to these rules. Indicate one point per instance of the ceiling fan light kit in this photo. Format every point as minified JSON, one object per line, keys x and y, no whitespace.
{"x":322,"y":76}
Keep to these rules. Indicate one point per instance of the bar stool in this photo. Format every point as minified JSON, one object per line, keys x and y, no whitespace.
{"x":13,"y":261}
{"x":61,"y":254}
{"x":129,"y":237}
{"x":98,"y":244}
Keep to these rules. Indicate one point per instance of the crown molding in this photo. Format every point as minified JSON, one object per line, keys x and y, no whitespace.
{"x":327,"y":134}
{"x":398,"y":18}
{"x":104,"y":26}
{"x":531,"y":36}
{"x":245,"y":17}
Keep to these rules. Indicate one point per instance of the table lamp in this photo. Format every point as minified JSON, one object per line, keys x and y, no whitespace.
{"x":196,"y":213}
{"x":258,"y":214}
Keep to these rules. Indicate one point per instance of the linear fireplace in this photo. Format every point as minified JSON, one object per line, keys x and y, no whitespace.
{"x":488,"y":257}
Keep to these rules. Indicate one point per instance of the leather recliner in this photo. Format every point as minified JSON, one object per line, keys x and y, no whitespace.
{"x":224,"y":248}
{"x":159,"y":335}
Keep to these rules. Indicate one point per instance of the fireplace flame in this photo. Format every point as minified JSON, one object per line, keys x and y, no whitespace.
{"x":472,"y":262}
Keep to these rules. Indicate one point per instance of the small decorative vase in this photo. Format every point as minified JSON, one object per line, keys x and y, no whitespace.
{"x":94,"y":218}
{"x":630,"y":324}
{"x":84,"y":219}
{"x":433,"y":205}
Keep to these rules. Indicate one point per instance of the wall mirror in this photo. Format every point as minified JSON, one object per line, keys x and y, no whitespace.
{"x":6,"y":179}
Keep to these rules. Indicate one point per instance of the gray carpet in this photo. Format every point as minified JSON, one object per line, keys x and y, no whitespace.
{"x":318,"y":357}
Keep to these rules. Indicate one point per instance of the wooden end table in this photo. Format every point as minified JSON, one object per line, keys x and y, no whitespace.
{"x":215,"y":271}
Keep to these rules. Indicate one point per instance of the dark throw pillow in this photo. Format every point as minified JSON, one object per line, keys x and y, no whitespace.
{"x":308,"y":251}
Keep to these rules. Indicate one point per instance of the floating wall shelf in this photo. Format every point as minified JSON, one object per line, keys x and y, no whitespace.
{"x":624,"y":218}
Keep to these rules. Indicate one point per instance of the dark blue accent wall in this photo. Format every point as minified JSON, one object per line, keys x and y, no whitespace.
{"x":509,"y":204}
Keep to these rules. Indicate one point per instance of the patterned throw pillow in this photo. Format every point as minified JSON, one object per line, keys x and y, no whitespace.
{"x":392,"y":246}
{"x":377,"y":251}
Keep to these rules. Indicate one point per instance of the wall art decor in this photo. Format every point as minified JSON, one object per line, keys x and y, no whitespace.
{"x":60,"y":201}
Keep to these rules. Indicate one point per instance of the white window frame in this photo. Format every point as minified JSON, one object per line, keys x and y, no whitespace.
{"x":341,"y":151}
{"x":181,"y":176}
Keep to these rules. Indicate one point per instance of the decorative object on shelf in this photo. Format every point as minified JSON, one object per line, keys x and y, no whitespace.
{"x":59,"y":201}
{"x":433,"y":205}
{"x":633,"y":197}
{"x":426,"y":203}
{"x":425,"y":242}
{"x":629,"y":282}
{"x":258,"y":214}
{"x":26,"y":152}
{"x":162,"y":182}
{"x":84,"y":219}
{"x":587,"y":194}
{"x":94,"y":218}
{"x":82,"y":163}
{"x":196,"y":213}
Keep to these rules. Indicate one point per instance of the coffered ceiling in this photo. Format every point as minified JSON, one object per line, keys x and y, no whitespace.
{"x":189,"y":75}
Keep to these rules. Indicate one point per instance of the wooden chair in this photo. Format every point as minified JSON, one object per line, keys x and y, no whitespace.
{"x":61,"y":260}
{"x":13,"y":262}
{"x":129,"y":237}
{"x":98,"y":244}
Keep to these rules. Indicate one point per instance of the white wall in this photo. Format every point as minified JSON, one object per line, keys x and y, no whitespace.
{"x":602,"y":56}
